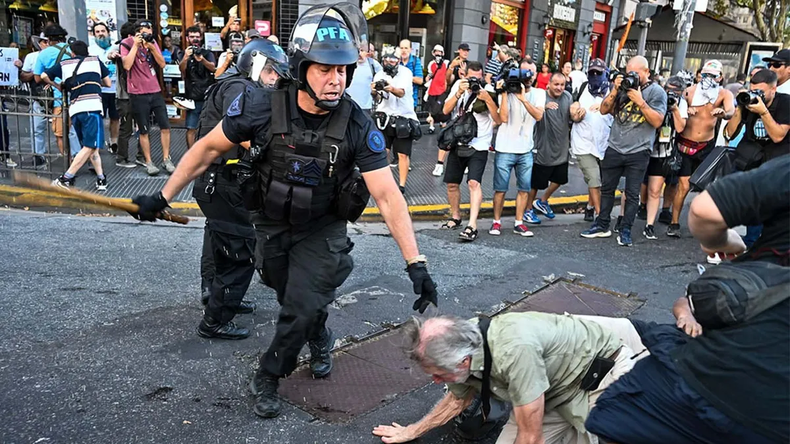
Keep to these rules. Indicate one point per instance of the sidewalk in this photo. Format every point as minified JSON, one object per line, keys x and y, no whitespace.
{"x":425,"y":194}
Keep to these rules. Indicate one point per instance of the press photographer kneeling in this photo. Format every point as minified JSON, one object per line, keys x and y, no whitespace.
{"x":395,"y":116}
{"x":766,"y":114}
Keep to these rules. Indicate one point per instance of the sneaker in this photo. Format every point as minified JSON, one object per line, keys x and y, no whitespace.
{"x":123,"y":163}
{"x":63,"y":182}
{"x":438,"y":170}
{"x":665,"y":217}
{"x":402,"y":189}
{"x":589,"y":215}
{"x":101,"y":184}
{"x":531,"y":218}
{"x":431,"y":130}
{"x":151,"y":169}
{"x":496,"y":229}
{"x":619,"y":224}
{"x":649,"y":232}
{"x":113,"y":148}
{"x":642,"y":213}
{"x":673,"y":230}
{"x":624,"y":239}
{"x":595,"y":231}
{"x":523,"y":230}
{"x":167,"y":165}
{"x":140,"y":160}
{"x":10,"y":163}
{"x":714,"y":259}
{"x":544,"y":208}
{"x":39,"y":162}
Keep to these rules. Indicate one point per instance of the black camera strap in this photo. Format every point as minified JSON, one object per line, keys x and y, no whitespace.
{"x":485,"y":391}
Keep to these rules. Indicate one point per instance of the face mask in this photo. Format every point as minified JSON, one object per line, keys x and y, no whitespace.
{"x":708,"y":83}
{"x":438,"y":59}
{"x":390,"y":70}
{"x":598,"y":85}
{"x":104,"y":42}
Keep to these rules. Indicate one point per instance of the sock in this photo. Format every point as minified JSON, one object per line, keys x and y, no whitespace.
{"x":497,"y":221}
{"x":68,"y":176}
{"x":439,"y":162}
{"x":100,"y":176}
{"x":518,"y":222}
{"x":113,"y":141}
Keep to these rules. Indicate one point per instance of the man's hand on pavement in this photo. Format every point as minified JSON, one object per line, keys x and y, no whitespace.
{"x":150,"y":206}
{"x":395,"y":433}
{"x":423,"y":286}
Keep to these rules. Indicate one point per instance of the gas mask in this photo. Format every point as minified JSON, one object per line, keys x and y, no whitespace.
{"x":390,"y":70}
{"x":103,"y":42}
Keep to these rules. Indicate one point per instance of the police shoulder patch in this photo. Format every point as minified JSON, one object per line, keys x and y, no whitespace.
{"x":237,"y":107}
{"x":376,"y":141}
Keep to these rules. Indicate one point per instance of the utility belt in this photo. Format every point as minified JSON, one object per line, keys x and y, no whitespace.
{"x":398,"y":127}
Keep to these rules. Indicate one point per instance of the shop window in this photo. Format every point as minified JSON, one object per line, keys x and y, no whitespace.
{"x":505,"y":23}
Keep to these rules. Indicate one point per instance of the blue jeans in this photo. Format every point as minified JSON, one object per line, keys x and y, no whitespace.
{"x":38,"y":128}
{"x":504,"y":163}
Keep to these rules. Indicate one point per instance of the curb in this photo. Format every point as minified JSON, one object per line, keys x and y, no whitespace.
{"x":29,"y":198}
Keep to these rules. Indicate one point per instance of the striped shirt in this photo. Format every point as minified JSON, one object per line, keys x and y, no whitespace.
{"x":85,"y":94}
{"x":493,"y":66}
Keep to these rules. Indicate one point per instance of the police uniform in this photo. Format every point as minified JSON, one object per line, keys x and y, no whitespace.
{"x":227,"y":265}
{"x":301,"y":158}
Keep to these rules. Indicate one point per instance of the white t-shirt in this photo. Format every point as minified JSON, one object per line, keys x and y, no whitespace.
{"x":96,"y":50}
{"x":30,"y":61}
{"x":222,"y":58}
{"x":663,"y":147}
{"x":591,"y":135}
{"x":577,"y":78}
{"x":784,"y":88}
{"x":393,"y":105}
{"x":485,"y":123}
{"x":516,"y":136}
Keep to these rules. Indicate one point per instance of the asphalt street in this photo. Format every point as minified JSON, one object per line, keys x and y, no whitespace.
{"x":97,"y":330}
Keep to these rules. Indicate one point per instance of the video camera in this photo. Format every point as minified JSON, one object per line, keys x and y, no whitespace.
{"x":516,"y":78}
{"x":148,"y":37}
{"x":747,"y":98}
{"x":475,"y":84}
{"x":381,"y":84}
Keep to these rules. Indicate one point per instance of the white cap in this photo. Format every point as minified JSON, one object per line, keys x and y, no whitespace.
{"x":438,"y":48}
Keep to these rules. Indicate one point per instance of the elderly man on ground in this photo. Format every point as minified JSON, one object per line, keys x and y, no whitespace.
{"x":552,"y":368}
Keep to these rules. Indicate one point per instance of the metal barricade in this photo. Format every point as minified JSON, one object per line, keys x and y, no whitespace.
{"x":27,"y":138}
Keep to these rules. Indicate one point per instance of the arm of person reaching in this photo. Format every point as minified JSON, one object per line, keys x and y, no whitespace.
{"x":680,"y":115}
{"x":776,"y":131}
{"x":538,"y":109}
{"x":577,"y":112}
{"x":707,"y":224}
{"x":727,"y":108}
{"x":448,"y":408}
{"x":685,"y":318}
{"x":393,"y":209}
{"x":529,"y":420}
{"x":455,"y":95}
{"x":225,"y":29}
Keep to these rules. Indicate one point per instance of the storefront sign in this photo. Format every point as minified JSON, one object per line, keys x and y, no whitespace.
{"x":9,"y":74}
{"x":171,"y":71}
{"x":214,"y":41}
{"x":264,"y":27}
{"x":599,"y":16}
{"x":548,"y":33}
{"x":217,"y":22}
{"x":564,"y":13}
{"x":172,"y":111}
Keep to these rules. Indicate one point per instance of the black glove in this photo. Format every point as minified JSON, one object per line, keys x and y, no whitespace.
{"x":150,"y":206}
{"x":423,"y":286}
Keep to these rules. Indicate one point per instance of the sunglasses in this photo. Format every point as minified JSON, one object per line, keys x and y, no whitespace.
{"x":708,"y":76}
{"x":594,"y":73}
{"x":145,"y":25}
{"x":776,"y":65}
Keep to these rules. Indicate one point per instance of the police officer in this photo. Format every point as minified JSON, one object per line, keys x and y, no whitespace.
{"x":227,"y":266}
{"x":307,"y":138}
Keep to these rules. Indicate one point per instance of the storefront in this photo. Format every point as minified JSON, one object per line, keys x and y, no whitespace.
{"x":560,"y":32}
{"x":508,"y":23}
{"x":23,"y":19}
{"x":600,"y":31}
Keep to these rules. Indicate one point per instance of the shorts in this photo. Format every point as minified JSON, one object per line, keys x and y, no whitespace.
{"x":591,"y":169}
{"x":656,"y":168}
{"x":504,"y":163}
{"x":691,"y":163}
{"x":57,"y":121}
{"x":401,"y":146}
{"x":542,"y":175}
{"x":193,"y":115}
{"x":435,"y":105}
{"x":454,"y":167}
{"x":89,"y":127}
{"x":142,"y":107}
{"x":109,"y":107}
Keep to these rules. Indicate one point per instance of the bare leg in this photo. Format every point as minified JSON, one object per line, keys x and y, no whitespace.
{"x":114,"y":126}
{"x":595,"y":199}
{"x":145,"y":145}
{"x":669,"y":195}
{"x":165,"y":143}
{"x":521,"y":203}
{"x":430,"y":120}
{"x":454,"y":198}
{"x":475,"y":200}
{"x":653,"y":197}
{"x":403,"y":168}
{"x":680,"y":196}
{"x":531,"y":198}
{"x":550,"y":190}
{"x":442,"y":155}
{"x":643,"y":194}
{"x":96,"y":162}
{"x":80,"y":159}
{"x":60,"y":145}
{"x":499,"y":204}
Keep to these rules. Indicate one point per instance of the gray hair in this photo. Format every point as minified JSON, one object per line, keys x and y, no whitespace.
{"x":442,"y":341}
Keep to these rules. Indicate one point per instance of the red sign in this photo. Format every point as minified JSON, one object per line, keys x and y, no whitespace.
{"x":594,"y":38}
{"x":549,"y":33}
{"x":264,"y":27}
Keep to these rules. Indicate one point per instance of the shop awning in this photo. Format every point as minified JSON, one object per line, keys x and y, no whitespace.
{"x":706,"y":30}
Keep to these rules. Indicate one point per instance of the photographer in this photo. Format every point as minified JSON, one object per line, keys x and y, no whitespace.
{"x":141,"y":57}
{"x":392,"y":88}
{"x":198,"y":68}
{"x":227,"y":58}
{"x":458,"y":65}
{"x":638,"y":106}
{"x":521,"y":106}
{"x":469,"y":95}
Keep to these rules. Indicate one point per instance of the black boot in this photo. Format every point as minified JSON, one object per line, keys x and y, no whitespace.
{"x":264,"y":387}
{"x":209,"y":328}
{"x":320,"y":356}
{"x":246,"y":307}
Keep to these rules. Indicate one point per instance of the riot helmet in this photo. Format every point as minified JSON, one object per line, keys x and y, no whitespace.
{"x":328,"y":35}
{"x":260,"y":59}
{"x":390,"y":63}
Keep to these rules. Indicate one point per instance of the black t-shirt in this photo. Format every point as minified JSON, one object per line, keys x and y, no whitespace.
{"x":249,"y":115}
{"x":755,"y":129}
{"x":759,"y":196}
{"x":744,"y":371}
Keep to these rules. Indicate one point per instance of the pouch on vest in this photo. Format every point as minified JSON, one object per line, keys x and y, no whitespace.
{"x":249,"y":185}
{"x":304,"y":170}
{"x":352,"y":197}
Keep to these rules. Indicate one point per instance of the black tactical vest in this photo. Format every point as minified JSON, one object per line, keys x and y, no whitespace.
{"x":213,"y":112}
{"x":198,"y":80}
{"x":300,"y":168}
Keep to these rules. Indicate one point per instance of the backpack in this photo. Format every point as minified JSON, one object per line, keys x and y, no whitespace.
{"x":733,"y":293}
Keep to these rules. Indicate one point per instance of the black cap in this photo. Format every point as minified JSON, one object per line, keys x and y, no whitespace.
{"x":782,"y":56}
{"x":464,"y":46}
{"x":55,"y":31}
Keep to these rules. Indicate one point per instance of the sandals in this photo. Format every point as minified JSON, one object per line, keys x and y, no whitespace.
{"x":455,"y":224}
{"x":469,"y":234}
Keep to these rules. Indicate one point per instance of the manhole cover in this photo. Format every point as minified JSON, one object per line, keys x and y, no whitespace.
{"x":376,"y":371}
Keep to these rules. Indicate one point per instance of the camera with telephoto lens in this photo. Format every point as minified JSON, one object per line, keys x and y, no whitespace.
{"x":475,"y":84}
{"x":747,"y":98}
{"x":630,"y":81}
{"x":672,"y":98}
{"x":381,"y":84}
{"x":148,"y":37}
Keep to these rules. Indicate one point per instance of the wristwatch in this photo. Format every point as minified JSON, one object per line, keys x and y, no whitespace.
{"x":416,"y":259}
